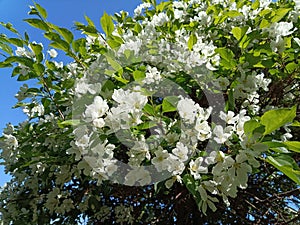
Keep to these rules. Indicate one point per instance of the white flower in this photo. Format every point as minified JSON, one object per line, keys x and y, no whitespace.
{"x":175,"y":166}
{"x":152,"y":75}
{"x":179,"y":4}
{"x":169,"y":183}
{"x":39,"y":109}
{"x":196,"y":167}
{"x":59,"y":65}
{"x":204,"y":114}
{"x":83,"y":141}
{"x":282,"y":29}
{"x":204,"y":130}
{"x":11,"y":140}
{"x":120,"y":96}
{"x":239,"y":170}
{"x":138,"y":10}
{"x":21,"y":51}
{"x":82,"y":87}
{"x":53,"y":53}
{"x":187,"y":109}
{"x":223,"y":82}
{"x":160,"y":160}
{"x":229,"y":118}
{"x":223,"y":163}
{"x":181,"y":151}
{"x":160,"y":19}
{"x":137,"y":174}
{"x":110,"y":166}
{"x":262,"y":82}
{"x":278,"y":45}
{"x":97,"y":109}
{"x":99,"y":123}
{"x":297,"y":4}
{"x":136,"y":100}
{"x":178,"y":13}
{"x":134,"y":45}
{"x":220,"y":135}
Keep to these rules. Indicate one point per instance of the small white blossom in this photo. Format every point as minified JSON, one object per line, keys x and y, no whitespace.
{"x":160,"y":160}
{"x":137,"y":174}
{"x":196,"y":167}
{"x":11,"y":140}
{"x":97,"y":109}
{"x":220,"y":134}
{"x":229,"y":118}
{"x":53,"y":53}
{"x":187,"y":109}
{"x":181,"y":151}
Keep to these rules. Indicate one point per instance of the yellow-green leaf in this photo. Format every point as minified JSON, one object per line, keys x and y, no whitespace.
{"x":274,"y":119}
{"x":107,"y":24}
{"x":41,"y":10}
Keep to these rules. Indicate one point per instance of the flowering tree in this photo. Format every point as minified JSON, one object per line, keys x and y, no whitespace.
{"x":185,"y":113}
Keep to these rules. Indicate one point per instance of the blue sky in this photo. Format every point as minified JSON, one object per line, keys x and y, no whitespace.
{"x":60,"y":12}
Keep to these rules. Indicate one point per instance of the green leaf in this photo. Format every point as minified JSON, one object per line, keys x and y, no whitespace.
{"x":274,"y":119}
{"x":108,"y":86}
{"x":107,"y":24}
{"x":68,"y":123}
{"x":90,"y":22}
{"x":192,"y":41}
{"x":37,"y":23}
{"x":293,"y":145}
{"x":190,"y":183}
{"x":279,"y":14}
{"x":9,"y":26}
{"x":138,"y":75}
{"x":16,"y":41}
{"x":79,"y":43}
{"x":60,"y":44}
{"x":239,"y":32}
{"x":41,"y":10}
{"x":23,"y":77}
{"x":295,"y":124}
{"x":37,"y":49}
{"x":286,"y":166}
{"x":26,"y":37}
{"x":39,"y":68}
{"x":19,"y":59}
{"x":291,"y":67}
{"x":149,"y":109}
{"x":87,"y":29}
{"x":146,"y":125}
{"x":250,"y":126}
{"x":272,"y":144}
{"x":255,"y":4}
{"x":264,"y":24}
{"x":169,"y":104}
{"x":227,"y":56}
{"x":5,"y":65}
{"x":230,"y":104}
{"x":67,"y":35}
{"x":52,"y":36}
{"x":233,"y":13}
{"x":137,"y":28}
{"x":6,"y":48}
{"x":115,"y":65}
{"x":162,"y":6}
{"x":114,"y":41}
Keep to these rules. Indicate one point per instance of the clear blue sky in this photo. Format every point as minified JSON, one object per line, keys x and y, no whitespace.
{"x":60,"y":12}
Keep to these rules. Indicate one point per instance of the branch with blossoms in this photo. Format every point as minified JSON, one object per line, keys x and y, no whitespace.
{"x":192,"y":96}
